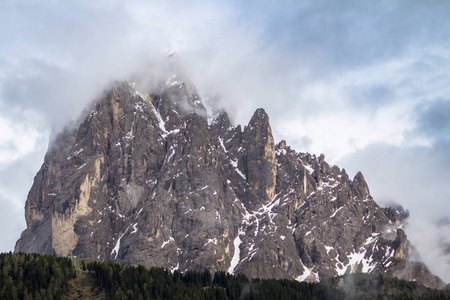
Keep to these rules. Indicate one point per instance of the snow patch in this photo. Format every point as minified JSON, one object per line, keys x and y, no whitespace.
{"x":161,"y":123}
{"x":222,"y":144}
{"x":77,"y":152}
{"x":234,"y":163}
{"x":173,"y":269}
{"x":214,"y":241}
{"x":356,"y":259}
{"x":237,"y":252}
{"x":308,"y":168}
{"x":305,"y":274}
{"x":134,"y":228}
{"x":334,"y":214}
{"x":168,"y":241}
{"x":117,"y":246}
{"x":371,"y":239}
{"x":306,"y":234}
{"x":139,"y":212}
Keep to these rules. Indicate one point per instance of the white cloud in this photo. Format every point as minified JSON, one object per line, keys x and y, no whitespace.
{"x":340,"y":132}
{"x":416,"y":177}
{"x":18,"y":138}
{"x":432,"y":241}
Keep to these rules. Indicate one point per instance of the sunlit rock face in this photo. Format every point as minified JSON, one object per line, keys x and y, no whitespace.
{"x":144,"y":179}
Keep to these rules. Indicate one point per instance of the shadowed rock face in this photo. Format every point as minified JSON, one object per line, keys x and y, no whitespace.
{"x":143,"y":179}
{"x":259,"y":158}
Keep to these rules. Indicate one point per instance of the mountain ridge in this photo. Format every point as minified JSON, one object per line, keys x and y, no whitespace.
{"x":144,"y":179}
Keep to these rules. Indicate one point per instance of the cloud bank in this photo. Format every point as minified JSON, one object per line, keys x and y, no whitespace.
{"x":364,"y":83}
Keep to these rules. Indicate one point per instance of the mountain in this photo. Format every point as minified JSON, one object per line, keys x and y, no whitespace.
{"x":144,"y":179}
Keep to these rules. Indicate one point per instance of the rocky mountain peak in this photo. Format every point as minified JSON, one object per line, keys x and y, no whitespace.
{"x":259,"y":119}
{"x":361,"y":186}
{"x":221,"y":124}
{"x":145,"y":180}
{"x":175,"y":100}
{"x":259,"y":159}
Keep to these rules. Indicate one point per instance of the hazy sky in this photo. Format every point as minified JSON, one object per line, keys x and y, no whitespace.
{"x":367,"y":83}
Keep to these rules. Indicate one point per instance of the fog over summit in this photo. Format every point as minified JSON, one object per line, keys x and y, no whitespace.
{"x":366,"y":84}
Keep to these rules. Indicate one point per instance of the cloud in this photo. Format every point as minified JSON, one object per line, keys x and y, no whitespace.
{"x":16,"y":140}
{"x":434,"y":120}
{"x":431,"y":239}
{"x":16,"y":178}
{"x":416,"y":177}
{"x":306,"y":56}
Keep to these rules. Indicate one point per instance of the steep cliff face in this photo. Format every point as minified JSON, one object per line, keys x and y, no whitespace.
{"x":259,"y":157}
{"x":144,"y":179}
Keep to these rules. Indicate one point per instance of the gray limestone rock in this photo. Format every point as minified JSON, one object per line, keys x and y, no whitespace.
{"x":144,"y":179}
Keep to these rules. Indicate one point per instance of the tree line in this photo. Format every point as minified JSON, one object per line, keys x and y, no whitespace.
{"x":130,"y":282}
{"x":34,"y":276}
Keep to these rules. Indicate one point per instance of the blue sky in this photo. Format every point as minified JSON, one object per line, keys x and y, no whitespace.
{"x":364,"y":82}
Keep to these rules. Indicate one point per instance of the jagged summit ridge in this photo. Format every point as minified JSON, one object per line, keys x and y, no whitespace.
{"x":145,"y":180}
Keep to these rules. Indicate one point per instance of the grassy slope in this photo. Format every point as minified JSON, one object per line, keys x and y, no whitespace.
{"x":84,"y":286}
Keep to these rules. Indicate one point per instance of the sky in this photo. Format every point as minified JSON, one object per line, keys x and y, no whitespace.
{"x":364,"y":82}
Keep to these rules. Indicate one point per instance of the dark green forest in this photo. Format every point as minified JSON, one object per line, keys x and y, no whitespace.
{"x":128,"y":282}
{"x":33,"y":276}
